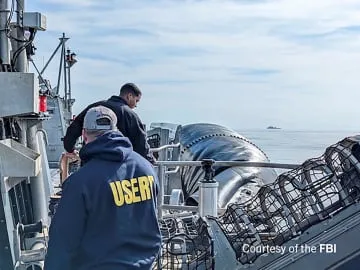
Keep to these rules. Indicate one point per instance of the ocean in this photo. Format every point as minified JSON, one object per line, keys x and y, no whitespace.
{"x":294,"y":146}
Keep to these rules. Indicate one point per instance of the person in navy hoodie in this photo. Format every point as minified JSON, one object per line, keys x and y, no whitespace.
{"x":106,"y":218}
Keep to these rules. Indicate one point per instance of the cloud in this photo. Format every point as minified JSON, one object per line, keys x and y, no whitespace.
{"x":239,"y":63}
{"x":253,"y":71}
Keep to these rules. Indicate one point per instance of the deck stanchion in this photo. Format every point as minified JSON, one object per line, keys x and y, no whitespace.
{"x":208,"y":190}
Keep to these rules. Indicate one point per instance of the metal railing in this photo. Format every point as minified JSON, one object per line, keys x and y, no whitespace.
{"x":203,"y":207}
{"x":231,"y":164}
{"x":164,"y":147}
{"x":207,"y":186}
{"x":306,"y":195}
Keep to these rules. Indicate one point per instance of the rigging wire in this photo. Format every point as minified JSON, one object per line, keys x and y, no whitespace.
{"x":41,"y":77}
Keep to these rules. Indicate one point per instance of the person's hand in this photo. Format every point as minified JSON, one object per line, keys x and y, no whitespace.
{"x":153,"y":160}
{"x":73,"y":155}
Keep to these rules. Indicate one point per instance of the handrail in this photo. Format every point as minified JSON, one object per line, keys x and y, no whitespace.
{"x":173,"y":171}
{"x":162,"y":165}
{"x":46,"y":138}
{"x":65,"y":158}
{"x":152,"y":150}
{"x":231,"y":164}
{"x":180,"y":207}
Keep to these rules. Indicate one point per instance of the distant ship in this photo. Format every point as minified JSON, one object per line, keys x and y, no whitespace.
{"x":272,"y":127}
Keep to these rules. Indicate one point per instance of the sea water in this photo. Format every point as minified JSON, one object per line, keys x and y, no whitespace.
{"x":294,"y":146}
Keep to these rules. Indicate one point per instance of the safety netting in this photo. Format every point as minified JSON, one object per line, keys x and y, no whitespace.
{"x":186,"y":244}
{"x":298,"y":199}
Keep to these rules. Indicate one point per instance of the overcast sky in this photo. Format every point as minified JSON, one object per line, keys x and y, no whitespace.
{"x":243,"y":64}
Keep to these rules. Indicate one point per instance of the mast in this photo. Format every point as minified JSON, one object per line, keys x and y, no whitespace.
{"x":23,"y":166}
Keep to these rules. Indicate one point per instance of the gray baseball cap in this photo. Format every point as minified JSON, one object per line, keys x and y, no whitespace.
{"x":100,"y":118}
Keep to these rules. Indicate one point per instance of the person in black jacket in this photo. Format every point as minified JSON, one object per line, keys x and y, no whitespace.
{"x":128,"y":123}
{"x":106,"y":218}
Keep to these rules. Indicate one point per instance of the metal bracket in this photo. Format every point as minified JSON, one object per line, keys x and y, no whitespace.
{"x":207,"y":165}
{"x":36,"y":254}
{"x":176,"y":197}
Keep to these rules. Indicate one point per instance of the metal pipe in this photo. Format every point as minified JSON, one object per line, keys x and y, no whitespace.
{"x":176,"y":170}
{"x":152,"y":150}
{"x":2,"y":129}
{"x":65,"y":78}
{"x":69,"y":88}
{"x":179,"y":214}
{"x":160,"y":198}
{"x":4,"y":41}
{"x":37,"y":182}
{"x":40,"y":77}
{"x":51,"y":57}
{"x":180,"y":207}
{"x":21,"y":61}
{"x":23,"y":127}
{"x":43,"y":131}
{"x":61,"y":63}
{"x":230,"y":164}
{"x":47,"y":179}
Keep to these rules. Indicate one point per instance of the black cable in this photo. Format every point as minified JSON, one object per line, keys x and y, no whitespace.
{"x":7,"y":28}
{"x":8,"y":34}
{"x":19,"y":50}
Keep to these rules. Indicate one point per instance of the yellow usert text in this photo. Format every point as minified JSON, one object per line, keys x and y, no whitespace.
{"x":132,"y":191}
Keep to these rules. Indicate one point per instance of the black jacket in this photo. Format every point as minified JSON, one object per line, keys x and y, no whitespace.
{"x":128,"y":123}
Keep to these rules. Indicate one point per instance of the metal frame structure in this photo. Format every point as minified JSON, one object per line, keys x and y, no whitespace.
{"x":24,"y":173}
{"x":59,"y":107}
{"x":329,"y":189}
{"x":67,"y":60}
{"x":162,"y":166}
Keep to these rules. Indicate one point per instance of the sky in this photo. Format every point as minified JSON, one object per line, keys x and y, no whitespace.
{"x":243,"y":64}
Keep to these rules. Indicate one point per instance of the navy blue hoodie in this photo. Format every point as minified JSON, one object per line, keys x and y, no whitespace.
{"x":106,"y":218}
